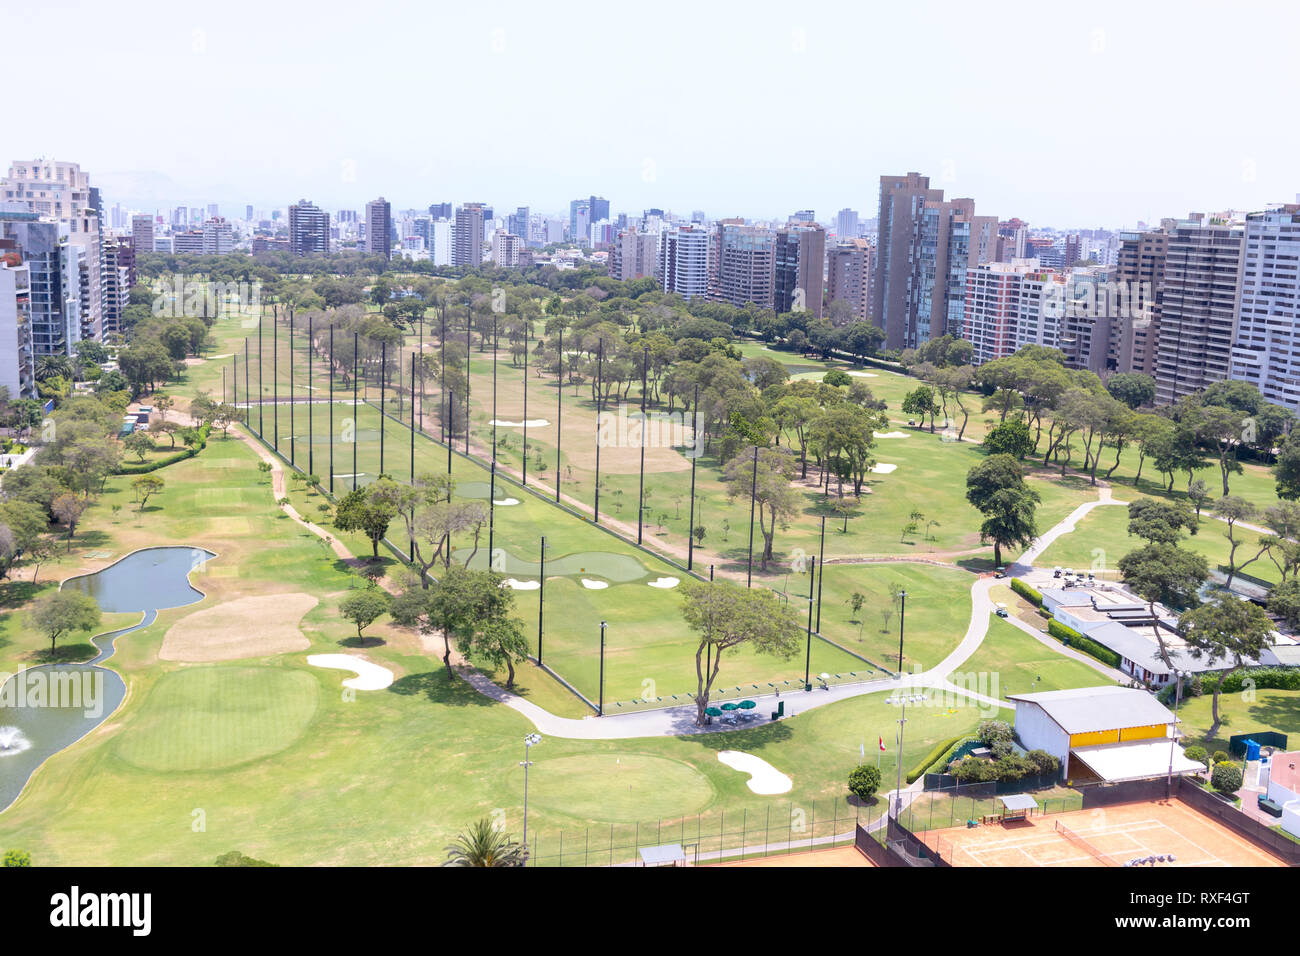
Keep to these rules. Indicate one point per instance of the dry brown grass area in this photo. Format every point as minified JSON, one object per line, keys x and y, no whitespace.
{"x":256,"y":626}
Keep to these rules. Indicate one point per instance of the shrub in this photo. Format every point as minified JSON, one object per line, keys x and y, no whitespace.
{"x":1273,"y":678}
{"x":1042,"y":763}
{"x":974,"y":770}
{"x":1222,"y":756}
{"x":1026,"y":592}
{"x":928,"y":761}
{"x":1226,"y":777}
{"x":235,"y":858}
{"x":864,"y":781}
{"x":1071,"y":637}
{"x":1197,"y":752}
{"x":991,"y":732}
{"x":17,"y":858}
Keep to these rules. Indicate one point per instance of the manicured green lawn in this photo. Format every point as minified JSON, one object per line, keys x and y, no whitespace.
{"x":1242,"y":713}
{"x":1021,"y":665}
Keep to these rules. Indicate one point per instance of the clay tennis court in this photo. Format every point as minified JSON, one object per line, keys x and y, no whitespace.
{"x":839,"y":856}
{"x":1113,"y":836}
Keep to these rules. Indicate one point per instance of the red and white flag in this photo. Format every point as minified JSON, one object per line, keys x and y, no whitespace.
{"x":882,"y":744}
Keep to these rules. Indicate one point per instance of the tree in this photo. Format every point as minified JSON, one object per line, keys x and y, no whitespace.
{"x":368,"y":510}
{"x":774,"y":500}
{"x":363,"y":607}
{"x":484,"y":845}
{"x":139,"y":444}
{"x":855,"y":601}
{"x":921,"y":402}
{"x":1160,"y":522}
{"x":1284,"y":601}
{"x":1009,"y":438}
{"x":60,"y":612}
{"x":69,"y":508}
{"x":17,"y":858}
{"x":146,"y":486}
{"x":1134,"y":389}
{"x":1286,"y":470}
{"x":996,"y":488}
{"x":726,"y":615}
{"x":1164,"y":573}
{"x":460,"y":600}
{"x":1225,"y":628}
{"x":501,"y":641}
{"x":1232,"y":509}
{"x":864,"y":781}
{"x":1226,"y":777}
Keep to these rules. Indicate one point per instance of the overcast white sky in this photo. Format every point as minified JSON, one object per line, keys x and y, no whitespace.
{"x":1062,"y":114}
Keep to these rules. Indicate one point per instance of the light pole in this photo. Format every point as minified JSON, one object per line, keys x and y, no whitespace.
{"x":529,"y":741}
{"x":1173,"y":737}
{"x":902,"y":617}
{"x":600,"y":708}
{"x":902,"y":701}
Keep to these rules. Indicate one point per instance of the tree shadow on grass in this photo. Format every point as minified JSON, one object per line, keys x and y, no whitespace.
{"x":90,"y":540}
{"x":67,"y":654}
{"x":16,"y":593}
{"x":976,"y":565}
{"x":362,"y":642}
{"x":438,"y":688}
{"x":746,"y":738}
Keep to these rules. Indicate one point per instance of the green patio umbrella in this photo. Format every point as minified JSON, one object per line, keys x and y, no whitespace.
{"x":728,"y":706}
{"x":712,"y":712}
{"x":747,"y":704}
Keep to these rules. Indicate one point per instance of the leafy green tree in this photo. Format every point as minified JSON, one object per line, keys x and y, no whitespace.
{"x":367,"y":510}
{"x":69,"y":508}
{"x":996,"y":488}
{"x":774,"y":500}
{"x":60,"y":612}
{"x":1010,"y":438}
{"x":483,"y":845}
{"x":725,"y":616}
{"x":145,"y":487}
{"x":1160,"y":522}
{"x":1225,"y":629}
{"x":1226,"y":778}
{"x":363,"y":607}
{"x":1134,"y":389}
{"x":501,"y":642}
{"x":921,"y":402}
{"x":139,"y":444}
{"x":1284,"y":601}
{"x":864,"y":782}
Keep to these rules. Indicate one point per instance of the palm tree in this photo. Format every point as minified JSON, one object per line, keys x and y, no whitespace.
{"x":484,"y":845}
{"x":53,"y":366}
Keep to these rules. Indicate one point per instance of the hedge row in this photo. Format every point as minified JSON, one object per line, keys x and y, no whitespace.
{"x":1026,"y":592}
{"x":1263,"y":678}
{"x":940,"y":749}
{"x":1071,"y":637}
{"x":950,"y":754}
{"x":146,"y":467}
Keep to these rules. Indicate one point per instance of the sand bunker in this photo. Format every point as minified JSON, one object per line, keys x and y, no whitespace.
{"x":369,"y":676}
{"x":763,"y":777}
{"x":882,"y":468}
{"x":505,"y":502}
{"x":864,"y":374}
{"x":664,"y":583}
{"x":516,"y":585}
{"x":891,"y":434}
{"x":530,"y":423}
{"x":594,"y":585}
{"x":246,"y":627}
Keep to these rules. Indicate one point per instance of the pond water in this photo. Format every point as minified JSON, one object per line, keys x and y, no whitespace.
{"x":46,"y":708}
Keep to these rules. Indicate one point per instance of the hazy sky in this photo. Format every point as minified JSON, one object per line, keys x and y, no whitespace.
{"x":1062,"y":114}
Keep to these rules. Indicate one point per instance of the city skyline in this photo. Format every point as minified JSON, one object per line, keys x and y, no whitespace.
{"x":1066,"y":147}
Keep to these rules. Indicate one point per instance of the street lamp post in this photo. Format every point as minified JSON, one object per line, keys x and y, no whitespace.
{"x":600,"y":709}
{"x":901,"y":701}
{"x":529,"y":741}
{"x":1173,"y":737}
{"x":902,"y":618}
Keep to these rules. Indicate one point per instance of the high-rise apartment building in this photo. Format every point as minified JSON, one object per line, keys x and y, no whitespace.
{"x":441,"y":210}
{"x":379,"y":228}
{"x":746,"y":266}
{"x":799,"y":269}
{"x":142,"y":233}
{"x":467,"y":248}
{"x":902,"y":204}
{"x":684,"y":261}
{"x":218,"y":237}
{"x":309,"y":229}
{"x":1266,"y":352}
{"x":17,"y":357}
{"x":846,"y":224}
{"x":849,"y":275}
{"x":1139,"y":277}
{"x":506,"y":248}
{"x":54,"y":280}
{"x":49,"y":188}
{"x":633,"y":255}
{"x":1198,"y":309}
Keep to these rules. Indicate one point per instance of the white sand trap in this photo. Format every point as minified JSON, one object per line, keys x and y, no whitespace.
{"x":882,"y":468}
{"x":531,"y":423}
{"x":594,"y":585}
{"x":369,"y":676}
{"x":505,"y":502}
{"x":763,"y":777}
{"x":892,"y":435}
{"x":245,"y":627}
{"x":516,"y":585}
{"x":864,"y":374}
{"x":664,"y":583}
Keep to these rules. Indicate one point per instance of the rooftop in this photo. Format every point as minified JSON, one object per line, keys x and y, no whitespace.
{"x":1088,"y":709}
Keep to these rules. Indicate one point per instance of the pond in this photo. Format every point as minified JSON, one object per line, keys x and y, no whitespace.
{"x":47,"y":708}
